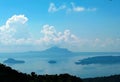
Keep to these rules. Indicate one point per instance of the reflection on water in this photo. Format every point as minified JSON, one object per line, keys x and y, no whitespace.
{"x":65,"y":64}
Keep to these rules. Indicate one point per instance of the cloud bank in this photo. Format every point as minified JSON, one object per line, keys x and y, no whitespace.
{"x":14,"y":36}
{"x":14,"y":33}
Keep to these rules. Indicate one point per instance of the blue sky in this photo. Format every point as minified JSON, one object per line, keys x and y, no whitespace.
{"x":78,"y":25}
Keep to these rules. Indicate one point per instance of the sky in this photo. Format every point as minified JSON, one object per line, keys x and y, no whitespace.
{"x":78,"y":25}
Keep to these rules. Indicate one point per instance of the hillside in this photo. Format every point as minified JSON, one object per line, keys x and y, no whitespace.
{"x":7,"y":74}
{"x":113,"y":78}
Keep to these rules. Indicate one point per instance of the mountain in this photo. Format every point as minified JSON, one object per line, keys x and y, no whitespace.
{"x":57,"y":50}
{"x":52,"y":51}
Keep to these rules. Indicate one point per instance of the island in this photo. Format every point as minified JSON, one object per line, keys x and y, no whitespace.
{"x":7,"y":74}
{"x":52,"y":62}
{"x":99,"y":60}
{"x":13,"y":61}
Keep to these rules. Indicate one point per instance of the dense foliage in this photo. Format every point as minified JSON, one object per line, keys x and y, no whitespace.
{"x":113,"y":78}
{"x":9,"y":75}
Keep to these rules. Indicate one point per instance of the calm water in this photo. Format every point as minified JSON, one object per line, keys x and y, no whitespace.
{"x":64,"y":64}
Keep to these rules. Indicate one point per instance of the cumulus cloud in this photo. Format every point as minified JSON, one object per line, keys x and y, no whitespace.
{"x":14,"y":34}
{"x":16,"y":19}
{"x":53,"y":37}
{"x":14,"y":28}
{"x":53,"y":8}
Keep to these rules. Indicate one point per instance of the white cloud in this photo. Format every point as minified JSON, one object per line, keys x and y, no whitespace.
{"x":48,"y":30}
{"x":14,"y":34}
{"x":53,"y":8}
{"x":14,"y":28}
{"x":51,"y":35}
{"x":16,"y":19}
{"x":77,"y":8}
{"x":73,"y":8}
{"x":81,"y":8}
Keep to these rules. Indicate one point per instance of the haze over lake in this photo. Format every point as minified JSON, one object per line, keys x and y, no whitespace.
{"x":39,"y":62}
{"x":61,"y":36}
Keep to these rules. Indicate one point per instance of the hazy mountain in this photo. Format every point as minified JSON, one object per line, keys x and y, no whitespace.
{"x":53,"y":51}
{"x":57,"y":50}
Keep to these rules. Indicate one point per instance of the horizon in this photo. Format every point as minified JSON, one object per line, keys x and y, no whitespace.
{"x":79,"y":26}
{"x":77,"y":37}
{"x":59,"y":48}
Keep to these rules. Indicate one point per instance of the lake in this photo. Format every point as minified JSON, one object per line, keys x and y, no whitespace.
{"x":57,"y":64}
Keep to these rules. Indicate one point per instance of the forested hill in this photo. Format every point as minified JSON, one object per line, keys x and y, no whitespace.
{"x":7,"y":74}
{"x":113,"y":78}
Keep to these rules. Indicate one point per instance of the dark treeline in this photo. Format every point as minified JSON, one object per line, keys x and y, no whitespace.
{"x":7,"y":74}
{"x":113,"y":78}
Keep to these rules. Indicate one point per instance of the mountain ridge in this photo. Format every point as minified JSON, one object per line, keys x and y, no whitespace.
{"x":53,"y":50}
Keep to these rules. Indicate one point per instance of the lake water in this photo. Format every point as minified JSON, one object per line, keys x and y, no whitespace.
{"x":64,"y":64}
